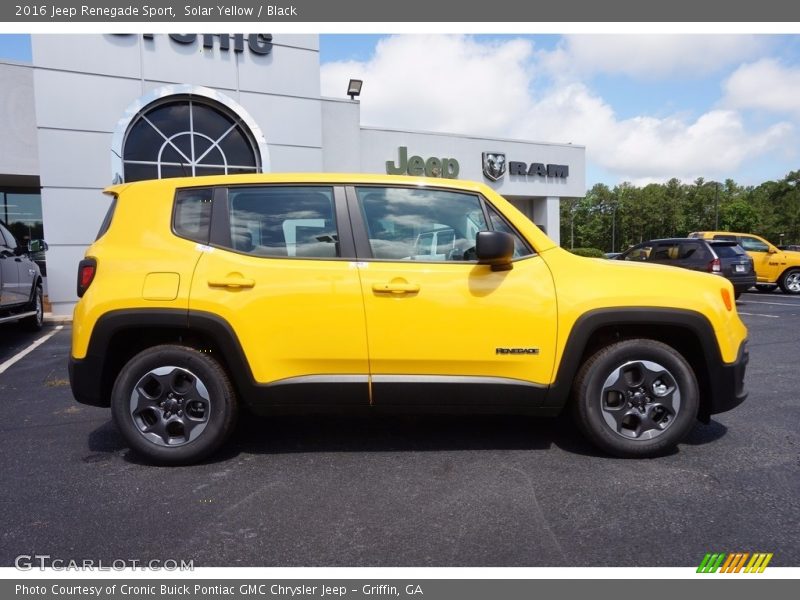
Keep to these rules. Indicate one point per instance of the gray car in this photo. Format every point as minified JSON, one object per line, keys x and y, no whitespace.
{"x":721,"y":257}
{"x":21,"y":296}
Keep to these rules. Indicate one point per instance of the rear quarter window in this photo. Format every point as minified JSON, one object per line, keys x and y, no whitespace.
{"x":727,"y":250}
{"x":107,"y":219}
{"x":192,"y":214}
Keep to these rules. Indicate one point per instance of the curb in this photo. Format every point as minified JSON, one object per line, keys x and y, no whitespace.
{"x":51,"y":318}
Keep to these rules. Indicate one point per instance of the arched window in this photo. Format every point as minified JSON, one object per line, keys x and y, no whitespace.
{"x":183,"y":136}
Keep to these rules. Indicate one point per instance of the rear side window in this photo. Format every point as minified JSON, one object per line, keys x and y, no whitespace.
{"x":192,"y":218}
{"x":665,"y":253}
{"x":291,"y":221}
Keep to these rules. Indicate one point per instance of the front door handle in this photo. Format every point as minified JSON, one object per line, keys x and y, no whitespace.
{"x":232,"y":282}
{"x":395,"y":288}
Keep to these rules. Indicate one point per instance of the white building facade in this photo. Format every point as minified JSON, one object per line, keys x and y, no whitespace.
{"x":92,"y":110}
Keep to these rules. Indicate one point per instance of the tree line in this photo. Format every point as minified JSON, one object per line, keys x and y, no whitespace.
{"x":613,"y":219}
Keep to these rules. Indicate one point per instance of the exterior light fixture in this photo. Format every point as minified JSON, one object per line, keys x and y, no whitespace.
{"x":354,"y":88}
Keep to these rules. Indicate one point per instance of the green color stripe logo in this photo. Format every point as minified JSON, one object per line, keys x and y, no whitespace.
{"x":735,"y":562}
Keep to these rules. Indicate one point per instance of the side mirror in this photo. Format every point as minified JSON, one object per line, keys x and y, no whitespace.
{"x":772,"y":250}
{"x":494,"y":248}
{"x":37,"y":246}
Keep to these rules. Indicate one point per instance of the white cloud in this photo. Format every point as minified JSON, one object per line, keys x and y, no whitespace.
{"x":645,"y":147}
{"x":455,"y":84}
{"x":650,"y":56}
{"x":765,"y":84}
{"x":448,"y":83}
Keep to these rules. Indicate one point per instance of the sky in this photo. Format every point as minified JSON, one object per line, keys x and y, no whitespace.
{"x":646,"y":107}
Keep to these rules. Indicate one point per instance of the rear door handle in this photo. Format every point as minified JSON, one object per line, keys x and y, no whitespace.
{"x":395,"y":288}
{"x":232,"y":282}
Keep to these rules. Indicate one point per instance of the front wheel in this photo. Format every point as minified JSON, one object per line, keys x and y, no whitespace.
{"x":790,"y":282}
{"x":636,"y":398}
{"x":173,"y":404}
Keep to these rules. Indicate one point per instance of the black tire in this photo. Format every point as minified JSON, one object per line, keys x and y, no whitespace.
{"x":766,"y":288}
{"x":595,"y":404}
{"x":737,"y":294}
{"x":174,"y":405}
{"x":790,"y":282}
{"x":35,"y":322}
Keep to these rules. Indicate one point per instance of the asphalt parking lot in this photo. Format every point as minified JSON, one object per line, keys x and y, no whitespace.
{"x":403,"y":491}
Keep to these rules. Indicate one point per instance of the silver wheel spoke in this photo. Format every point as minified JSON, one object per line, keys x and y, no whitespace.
{"x":640,"y":399}
{"x":793,"y":282}
{"x":170,"y":406}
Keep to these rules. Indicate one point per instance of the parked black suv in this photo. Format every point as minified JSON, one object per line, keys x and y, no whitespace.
{"x":722,"y":257}
{"x":20,"y":282}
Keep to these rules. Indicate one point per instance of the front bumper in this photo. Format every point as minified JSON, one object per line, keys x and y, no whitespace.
{"x":726,"y":383}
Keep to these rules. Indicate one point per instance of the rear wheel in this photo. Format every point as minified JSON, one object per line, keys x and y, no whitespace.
{"x":173,"y":404}
{"x":790,"y":282}
{"x":35,"y":321}
{"x":636,"y":398}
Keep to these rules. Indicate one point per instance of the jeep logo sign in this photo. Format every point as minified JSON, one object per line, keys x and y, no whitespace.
{"x":417,"y":166}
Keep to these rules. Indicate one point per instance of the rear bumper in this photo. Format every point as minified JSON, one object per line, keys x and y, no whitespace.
{"x":727,"y":383}
{"x":742,"y":283}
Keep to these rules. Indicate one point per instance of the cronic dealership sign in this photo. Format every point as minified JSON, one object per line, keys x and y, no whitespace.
{"x":257,"y":43}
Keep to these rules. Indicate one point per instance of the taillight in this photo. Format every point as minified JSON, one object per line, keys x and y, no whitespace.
{"x":86,"y":271}
{"x":714,"y":266}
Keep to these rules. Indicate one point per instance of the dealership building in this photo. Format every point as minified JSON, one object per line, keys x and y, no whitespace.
{"x":92,"y":110}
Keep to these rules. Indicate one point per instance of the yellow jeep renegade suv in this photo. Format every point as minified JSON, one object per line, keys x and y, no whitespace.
{"x":301,"y":292}
{"x":774,"y":267}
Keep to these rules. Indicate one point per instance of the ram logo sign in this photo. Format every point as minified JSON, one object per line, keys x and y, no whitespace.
{"x":495,"y":166}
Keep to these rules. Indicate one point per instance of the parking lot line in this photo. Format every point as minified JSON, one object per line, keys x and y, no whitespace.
{"x":758,"y":315}
{"x":22,"y":354}
{"x":773,"y":303}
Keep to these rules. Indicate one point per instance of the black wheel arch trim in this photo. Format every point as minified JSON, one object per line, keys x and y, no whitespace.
{"x":87,"y":374}
{"x":722,"y":392}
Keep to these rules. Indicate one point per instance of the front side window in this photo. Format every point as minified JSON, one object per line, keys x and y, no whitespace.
{"x":283,"y":221}
{"x":752,"y":244}
{"x":498,"y":224}
{"x":639,"y":253}
{"x":421,"y":224}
